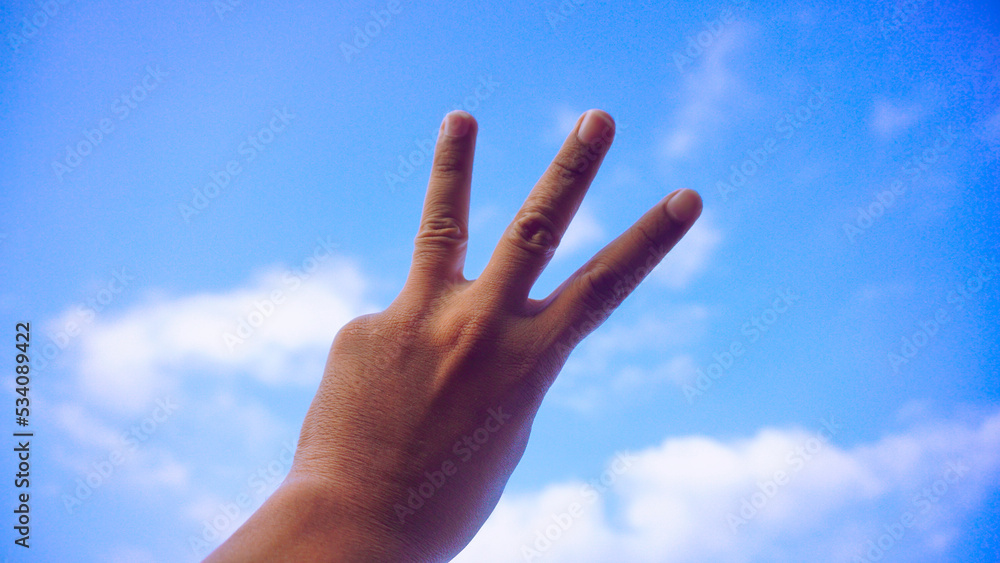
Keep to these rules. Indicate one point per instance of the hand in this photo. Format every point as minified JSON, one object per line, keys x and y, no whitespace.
{"x":424,"y":409}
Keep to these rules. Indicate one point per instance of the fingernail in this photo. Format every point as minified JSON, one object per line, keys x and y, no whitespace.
{"x":594,"y":126}
{"x":456,"y":123}
{"x":684,"y":205}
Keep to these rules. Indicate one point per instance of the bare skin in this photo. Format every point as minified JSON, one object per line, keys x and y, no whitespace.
{"x":425,"y":408}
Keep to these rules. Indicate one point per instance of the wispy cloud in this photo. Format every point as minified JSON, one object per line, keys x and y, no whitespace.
{"x":678,"y":369}
{"x":623,"y":349}
{"x":563,"y":119}
{"x":691,"y":256}
{"x":584,"y":231}
{"x":707,"y":91}
{"x":889,"y":120}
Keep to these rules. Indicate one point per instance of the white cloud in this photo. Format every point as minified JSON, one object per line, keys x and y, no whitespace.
{"x":621,"y":176}
{"x":676,"y":327}
{"x":583,"y":384}
{"x":275,"y":329}
{"x":162,"y":350}
{"x":247,"y":419}
{"x":691,"y":255}
{"x":583,"y":231}
{"x":679,"y":370}
{"x":156,"y":469}
{"x":673,"y":501}
{"x":481,"y":217}
{"x":708,"y":89}
{"x":889,"y":120}
{"x":563,"y":119}
{"x":84,"y":429}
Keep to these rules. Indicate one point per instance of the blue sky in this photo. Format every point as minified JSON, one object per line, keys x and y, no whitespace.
{"x":815,"y":361}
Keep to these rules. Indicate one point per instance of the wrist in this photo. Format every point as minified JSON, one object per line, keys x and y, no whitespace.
{"x":303,"y":521}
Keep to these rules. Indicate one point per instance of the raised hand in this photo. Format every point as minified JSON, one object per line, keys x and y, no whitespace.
{"x":425,"y":408}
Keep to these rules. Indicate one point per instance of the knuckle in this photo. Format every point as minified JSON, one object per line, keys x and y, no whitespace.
{"x":352,"y":333}
{"x":357,"y":325}
{"x":367,"y":326}
{"x":603,"y":287}
{"x":442,"y":229}
{"x":535,"y":232}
